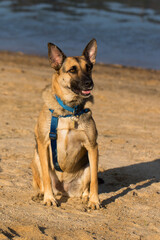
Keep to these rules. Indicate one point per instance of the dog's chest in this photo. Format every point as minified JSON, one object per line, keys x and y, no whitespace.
{"x":70,"y":140}
{"x":70,"y":132}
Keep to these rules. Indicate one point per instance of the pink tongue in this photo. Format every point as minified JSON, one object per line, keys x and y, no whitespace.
{"x":86,"y":92}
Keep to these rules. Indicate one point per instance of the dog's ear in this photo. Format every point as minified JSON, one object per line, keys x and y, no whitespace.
{"x":56,"y":56}
{"x":90,"y":51}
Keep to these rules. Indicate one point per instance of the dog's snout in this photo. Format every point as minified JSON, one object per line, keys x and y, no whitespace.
{"x":88,"y":83}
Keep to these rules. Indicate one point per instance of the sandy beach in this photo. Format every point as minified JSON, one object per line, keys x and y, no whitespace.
{"x":127,"y":114}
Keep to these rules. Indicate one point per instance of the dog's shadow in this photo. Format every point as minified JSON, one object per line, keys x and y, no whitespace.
{"x":122,"y":177}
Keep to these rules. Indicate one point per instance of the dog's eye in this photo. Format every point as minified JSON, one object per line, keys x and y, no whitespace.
{"x":89,"y":67}
{"x":73,"y":69}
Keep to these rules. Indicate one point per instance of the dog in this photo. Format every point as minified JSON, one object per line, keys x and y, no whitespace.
{"x":76,"y":139}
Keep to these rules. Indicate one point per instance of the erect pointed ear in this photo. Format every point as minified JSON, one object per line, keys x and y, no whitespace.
{"x":90,"y":51}
{"x":56,"y":56}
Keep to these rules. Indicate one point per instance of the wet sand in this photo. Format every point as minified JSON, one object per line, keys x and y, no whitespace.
{"x":127,"y":114}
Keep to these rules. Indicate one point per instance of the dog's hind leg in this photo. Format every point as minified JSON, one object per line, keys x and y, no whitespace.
{"x":37,"y":173}
{"x":86,"y":183}
{"x":37,"y":179}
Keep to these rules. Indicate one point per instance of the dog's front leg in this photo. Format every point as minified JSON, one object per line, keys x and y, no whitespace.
{"x":48,"y":193}
{"x":93,"y":160}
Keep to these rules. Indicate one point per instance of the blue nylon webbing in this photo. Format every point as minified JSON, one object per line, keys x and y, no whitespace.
{"x":53,"y":137}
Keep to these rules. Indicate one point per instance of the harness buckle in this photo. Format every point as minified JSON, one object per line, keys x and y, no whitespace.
{"x":76,"y":110}
{"x":53,"y":135}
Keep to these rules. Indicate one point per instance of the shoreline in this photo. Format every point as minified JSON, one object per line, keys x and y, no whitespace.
{"x":10,"y":53}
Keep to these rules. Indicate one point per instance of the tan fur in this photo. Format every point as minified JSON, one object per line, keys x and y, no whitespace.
{"x":76,"y":143}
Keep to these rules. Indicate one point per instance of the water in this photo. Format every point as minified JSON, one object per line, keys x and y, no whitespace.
{"x":127,"y":31}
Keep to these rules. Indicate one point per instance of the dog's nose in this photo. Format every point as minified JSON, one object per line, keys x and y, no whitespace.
{"x":88,"y":83}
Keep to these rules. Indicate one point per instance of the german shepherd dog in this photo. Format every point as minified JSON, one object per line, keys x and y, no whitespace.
{"x":77,"y":149}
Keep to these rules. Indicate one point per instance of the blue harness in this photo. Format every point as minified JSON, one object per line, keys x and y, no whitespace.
{"x":76,"y":111}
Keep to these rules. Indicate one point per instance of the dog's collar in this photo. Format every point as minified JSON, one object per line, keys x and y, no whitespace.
{"x":75,"y":110}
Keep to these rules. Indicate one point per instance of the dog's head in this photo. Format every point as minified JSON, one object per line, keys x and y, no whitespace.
{"x":74,"y":73}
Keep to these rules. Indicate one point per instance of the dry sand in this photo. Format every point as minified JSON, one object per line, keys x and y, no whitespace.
{"x":127,"y":113}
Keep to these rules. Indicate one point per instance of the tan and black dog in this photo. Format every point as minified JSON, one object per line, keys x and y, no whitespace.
{"x":77,"y":149}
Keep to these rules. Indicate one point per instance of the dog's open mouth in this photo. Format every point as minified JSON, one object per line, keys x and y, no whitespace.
{"x":81,"y":90}
{"x":86,"y":92}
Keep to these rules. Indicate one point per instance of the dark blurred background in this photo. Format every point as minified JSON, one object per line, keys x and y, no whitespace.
{"x":127,"y":31}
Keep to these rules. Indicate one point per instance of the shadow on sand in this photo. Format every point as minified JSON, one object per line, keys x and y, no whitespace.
{"x":118,"y":178}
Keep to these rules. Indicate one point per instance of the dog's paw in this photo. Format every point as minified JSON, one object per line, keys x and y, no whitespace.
{"x":94,"y":202}
{"x":50,"y":202}
{"x":94,"y":205}
{"x":85,"y":199}
{"x":38,"y":198}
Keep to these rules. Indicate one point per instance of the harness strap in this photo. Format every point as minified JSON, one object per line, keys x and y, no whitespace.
{"x":53,"y":132}
{"x":53,"y":138}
